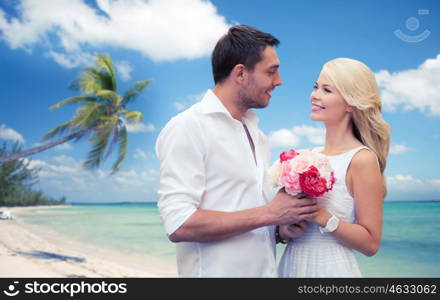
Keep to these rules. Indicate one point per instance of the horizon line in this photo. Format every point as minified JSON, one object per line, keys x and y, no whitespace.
{"x":154,"y":202}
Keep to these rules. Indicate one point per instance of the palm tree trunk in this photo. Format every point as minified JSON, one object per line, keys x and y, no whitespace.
{"x":41,"y":148}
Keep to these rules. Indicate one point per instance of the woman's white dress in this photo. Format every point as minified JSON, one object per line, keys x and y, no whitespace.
{"x":321,"y":255}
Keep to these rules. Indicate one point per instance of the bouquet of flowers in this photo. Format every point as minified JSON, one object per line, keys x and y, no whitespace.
{"x":302,"y":172}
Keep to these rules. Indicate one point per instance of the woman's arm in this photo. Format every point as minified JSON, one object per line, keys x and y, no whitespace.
{"x":365,"y":181}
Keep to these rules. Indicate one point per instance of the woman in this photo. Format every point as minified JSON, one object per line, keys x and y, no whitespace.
{"x":346,"y":99}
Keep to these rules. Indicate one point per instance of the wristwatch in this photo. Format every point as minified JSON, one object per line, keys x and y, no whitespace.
{"x":331,"y":225}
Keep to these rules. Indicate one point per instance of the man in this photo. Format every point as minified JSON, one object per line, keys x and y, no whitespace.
{"x":213,"y":196}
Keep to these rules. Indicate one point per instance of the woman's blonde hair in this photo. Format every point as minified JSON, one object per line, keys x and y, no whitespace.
{"x":357,"y":85}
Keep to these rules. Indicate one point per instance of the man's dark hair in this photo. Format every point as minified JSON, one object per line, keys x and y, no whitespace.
{"x":240,"y":45}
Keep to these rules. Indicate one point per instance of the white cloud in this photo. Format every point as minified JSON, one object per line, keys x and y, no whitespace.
{"x":188,"y":101}
{"x":59,"y":167}
{"x":134,"y":179}
{"x":140,"y":154}
{"x":283,"y":138}
{"x":65,"y":174}
{"x":162,"y":30}
{"x":71,"y":60}
{"x":412,"y":89}
{"x":401,"y":182}
{"x":408,"y":187}
{"x":292,"y":138}
{"x":10,"y":134}
{"x":402,"y":178}
{"x":398,"y":148}
{"x":315,"y":135}
{"x":124,"y":70}
{"x":35,"y":163}
{"x":66,"y":160}
{"x":64,"y":147}
{"x":140,"y":127}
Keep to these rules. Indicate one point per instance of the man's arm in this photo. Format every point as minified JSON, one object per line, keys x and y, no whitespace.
{"x":209,"y":226}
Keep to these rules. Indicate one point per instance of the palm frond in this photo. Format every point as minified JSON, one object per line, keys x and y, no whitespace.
{"x":99,"y":77}
{"x":94,"y":157}
{"x":122,"y":151}
{"x":81,"y":99}
{"x":56,"y":131}
{"x":89,"y":81}
{"x":134,"y":91}
{"x":105,"y":65}
{"x":111,"y":118}
{"x":87,"y":116}
{"x":105,"y":124}
{"x":133,"y":116}
{"x":115,"y":137}
{"x":110,"y":97}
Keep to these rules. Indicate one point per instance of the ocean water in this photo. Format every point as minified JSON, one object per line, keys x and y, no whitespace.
{"x":410,"y":241}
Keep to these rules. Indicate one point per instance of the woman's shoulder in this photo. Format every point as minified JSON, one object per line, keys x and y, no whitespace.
{"x":364,"y":159}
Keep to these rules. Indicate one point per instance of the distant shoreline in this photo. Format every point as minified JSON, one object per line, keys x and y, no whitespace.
{"x":112,"y":203}
{"x":411,"y":201}
{"x":155,"y":203}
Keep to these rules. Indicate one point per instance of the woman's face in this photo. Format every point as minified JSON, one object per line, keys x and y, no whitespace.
{"x":328,"y":106}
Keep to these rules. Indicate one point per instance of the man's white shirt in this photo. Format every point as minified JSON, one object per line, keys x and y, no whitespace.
{"x":206,"y":162}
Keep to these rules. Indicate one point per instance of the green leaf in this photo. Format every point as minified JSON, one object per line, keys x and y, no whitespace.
{"x":114,"y":139}
{"x":82,"y":99}
{"x":105,"y":66}
{"x":131,"y":94}
{"x":133,"y":116}
{"x":57,"y":130}
{"x":89,"y":81}
{"x":123,"y":147}
{"x":88,"y":116}
{"x":95,"y":155}
{"x":111,"y":97}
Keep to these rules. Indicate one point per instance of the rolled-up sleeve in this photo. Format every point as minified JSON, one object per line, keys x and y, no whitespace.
{"x":182,"y":172}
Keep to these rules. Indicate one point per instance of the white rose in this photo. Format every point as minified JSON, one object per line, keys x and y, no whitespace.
{"x":273,"y":174}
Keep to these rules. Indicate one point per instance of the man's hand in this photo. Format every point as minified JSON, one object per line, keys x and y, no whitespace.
{"x":286,"y":209}
{"x":292,"y":231}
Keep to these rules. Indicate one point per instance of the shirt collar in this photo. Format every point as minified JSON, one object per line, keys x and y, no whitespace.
{"x":211,"y":104}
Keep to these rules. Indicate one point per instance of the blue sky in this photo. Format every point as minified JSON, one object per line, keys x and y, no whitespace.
{"x":45,"y":44}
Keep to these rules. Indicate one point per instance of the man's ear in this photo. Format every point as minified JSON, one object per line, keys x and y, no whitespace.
{"x":239,"y":73}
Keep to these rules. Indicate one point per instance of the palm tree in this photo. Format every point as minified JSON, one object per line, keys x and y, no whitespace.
{"x":102,"y":117}
{"x":15,"y":173}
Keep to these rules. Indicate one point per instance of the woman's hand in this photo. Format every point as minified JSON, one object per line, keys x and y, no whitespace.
{"x":322,"y":217}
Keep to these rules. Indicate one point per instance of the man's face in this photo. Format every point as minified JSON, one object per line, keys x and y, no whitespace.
{"x":257,"y":90}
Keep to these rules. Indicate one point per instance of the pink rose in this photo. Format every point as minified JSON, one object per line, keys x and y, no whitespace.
{"x":289,"y":179}
{"x":333,"y":178}
{"x":287,"y":155}
{"x":312,"y":183}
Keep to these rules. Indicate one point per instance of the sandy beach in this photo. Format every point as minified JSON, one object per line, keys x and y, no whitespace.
{"x":32,"y":251}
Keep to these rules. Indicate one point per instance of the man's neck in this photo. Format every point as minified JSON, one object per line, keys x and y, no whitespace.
{"x":230,"y":100}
